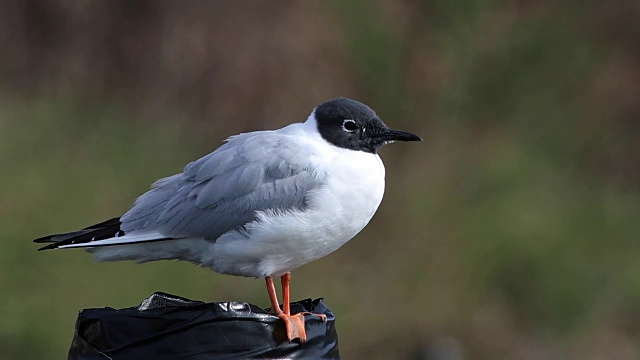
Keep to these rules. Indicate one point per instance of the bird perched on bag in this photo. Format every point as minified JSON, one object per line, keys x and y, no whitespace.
{"x":261,"y":205}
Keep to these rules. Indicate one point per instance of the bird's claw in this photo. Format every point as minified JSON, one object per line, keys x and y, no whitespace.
{"x":322,"y":317}
{"x":294,"y":325}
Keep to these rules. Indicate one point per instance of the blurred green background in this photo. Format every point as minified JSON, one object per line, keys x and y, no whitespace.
{"x":512,"y":232}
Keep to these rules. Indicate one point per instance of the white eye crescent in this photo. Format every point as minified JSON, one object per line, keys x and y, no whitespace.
{"x":349,"y":125}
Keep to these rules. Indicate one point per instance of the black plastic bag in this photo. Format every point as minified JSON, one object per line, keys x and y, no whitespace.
{"x":170,"y":327}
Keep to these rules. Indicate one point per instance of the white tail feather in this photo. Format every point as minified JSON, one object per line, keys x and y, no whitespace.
{"x":120,"y":240}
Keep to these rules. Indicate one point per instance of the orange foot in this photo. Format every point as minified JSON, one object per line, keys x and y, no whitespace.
{"x":322,"y":317}
{"x":295,"y":326}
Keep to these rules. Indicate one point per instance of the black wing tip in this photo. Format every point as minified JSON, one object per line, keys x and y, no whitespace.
{"x":49,"y":247}
{"x":111,"y":222}
{"x":44,"y":239}
{"x":70,"y":238}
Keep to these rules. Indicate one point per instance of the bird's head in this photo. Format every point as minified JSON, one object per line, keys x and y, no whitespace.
{"x":352,"y":125}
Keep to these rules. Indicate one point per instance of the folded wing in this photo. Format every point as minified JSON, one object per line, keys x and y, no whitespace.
{"x":220,"y":192}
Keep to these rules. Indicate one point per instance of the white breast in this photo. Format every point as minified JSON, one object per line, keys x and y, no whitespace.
{"x":279,"y":243}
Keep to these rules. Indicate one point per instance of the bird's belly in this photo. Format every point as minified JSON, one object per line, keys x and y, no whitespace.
{"x":280,"y":242}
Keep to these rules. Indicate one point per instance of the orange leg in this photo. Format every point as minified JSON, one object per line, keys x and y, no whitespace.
{"x":293,"y":324}
{"x":285,"y":280}
{"x":286,"y":299}
{"x":273,"y":297}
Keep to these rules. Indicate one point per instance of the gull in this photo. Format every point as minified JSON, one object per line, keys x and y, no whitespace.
{"x":261,"y":205}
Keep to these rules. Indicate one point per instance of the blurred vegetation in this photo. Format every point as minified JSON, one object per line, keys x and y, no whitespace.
{"x":512,"y":232}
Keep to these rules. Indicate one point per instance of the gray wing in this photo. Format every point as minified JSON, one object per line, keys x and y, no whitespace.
{"x":223,"y":191}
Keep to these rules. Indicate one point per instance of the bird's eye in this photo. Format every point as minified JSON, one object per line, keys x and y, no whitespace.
{"x":349,"y":125}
